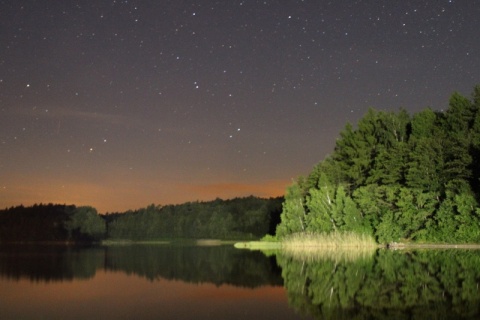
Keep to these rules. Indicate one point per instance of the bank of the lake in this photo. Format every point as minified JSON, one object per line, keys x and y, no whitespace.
{"x":342,"y":241}
{"x":173,"y":241}
{"x":395,"y":245}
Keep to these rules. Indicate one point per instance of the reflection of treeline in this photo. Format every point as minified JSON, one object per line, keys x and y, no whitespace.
{"x":421,"y":284}
{"x":51,"y":223}
{"x":249,"y":217}
{"x":218,"y":265}
{"x":195,"y":264}
{"x":396,"y":176}
{"x":50,"y":263}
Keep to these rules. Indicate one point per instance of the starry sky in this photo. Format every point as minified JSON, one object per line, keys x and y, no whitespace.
{"x":120,"y":104}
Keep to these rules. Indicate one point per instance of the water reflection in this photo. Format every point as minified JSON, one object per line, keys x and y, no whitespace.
{"x":146,"y":281}
{"x":140,"y":282}
{"x":50,"y":263}
{"x":194,"y":264}
{"x":421,"y":284}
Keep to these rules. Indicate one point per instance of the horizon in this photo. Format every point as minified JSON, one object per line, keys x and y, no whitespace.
{"x":141,"y":207}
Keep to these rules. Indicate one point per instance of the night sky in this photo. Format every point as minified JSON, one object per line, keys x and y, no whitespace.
{"x":120,"y":104}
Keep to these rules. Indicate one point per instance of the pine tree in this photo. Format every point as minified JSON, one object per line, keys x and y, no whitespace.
{"x":389,"y":165}
{"x":293,"y":212}
{"x":459,"y":119}
{"x":424,"y":165}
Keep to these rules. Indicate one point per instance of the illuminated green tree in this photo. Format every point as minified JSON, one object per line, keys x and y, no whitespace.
{"x":293,"y":212}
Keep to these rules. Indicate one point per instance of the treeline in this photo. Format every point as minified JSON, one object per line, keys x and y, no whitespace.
{"x":51,"y":223}
{"x":240,"y":218}
{"x":396,"y":177}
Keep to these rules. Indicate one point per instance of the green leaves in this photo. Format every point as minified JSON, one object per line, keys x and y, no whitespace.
{"x":86,"y":224}
{"x":293,"y":212}
{"x":321,"y":205}
{"x":424,"y":166}
{"x":397,"y":178}
{"x":239,"y":218}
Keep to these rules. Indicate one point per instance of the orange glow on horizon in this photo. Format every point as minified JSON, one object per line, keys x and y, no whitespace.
{"x":231,"y":190}
{"x":122,"y":195}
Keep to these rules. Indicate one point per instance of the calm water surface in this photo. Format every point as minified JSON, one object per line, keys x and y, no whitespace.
{"x":220,"y":282}
{"x":140,"y":282}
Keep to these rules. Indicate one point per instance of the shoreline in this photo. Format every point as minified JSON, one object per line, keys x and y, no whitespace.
{"x":258,"y":245}
{"x":399,"y":246}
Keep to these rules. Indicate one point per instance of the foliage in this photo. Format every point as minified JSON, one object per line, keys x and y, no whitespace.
{"x":269,"y":238}
{"x":396,"y":177}
{"x":240,"y":218}
{"x":85,"y":224}
{"x":50,"y":223}
{"x":293,"y":212}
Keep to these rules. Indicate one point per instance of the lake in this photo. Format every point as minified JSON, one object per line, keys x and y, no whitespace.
{"x":221,"y":282}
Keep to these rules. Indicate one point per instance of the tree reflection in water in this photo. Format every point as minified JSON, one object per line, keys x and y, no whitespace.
{"x":193,"y":264}
{"x":385,"y":284}
{"x":375,"y":284}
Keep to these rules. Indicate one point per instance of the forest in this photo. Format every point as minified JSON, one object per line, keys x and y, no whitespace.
{"x":51,"y":223}
{"x":396,"y":177}
{"x":239,"y":218}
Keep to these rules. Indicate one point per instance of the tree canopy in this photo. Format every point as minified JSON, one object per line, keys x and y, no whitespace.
{"x":397,"y":177}
{"x":51,"y":223}
{"x":239,"y":218}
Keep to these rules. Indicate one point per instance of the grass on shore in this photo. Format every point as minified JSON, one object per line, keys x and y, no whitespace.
{"x":328,"y":240}
{"x":310,"y":242}
{"x":346,"y":246}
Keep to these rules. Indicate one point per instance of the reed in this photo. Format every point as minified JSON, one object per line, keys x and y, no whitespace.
{"x":328,"y":240}
{"x":343,"y":246}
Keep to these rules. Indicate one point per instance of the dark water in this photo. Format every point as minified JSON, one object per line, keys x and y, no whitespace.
{"x":220,"y":282}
